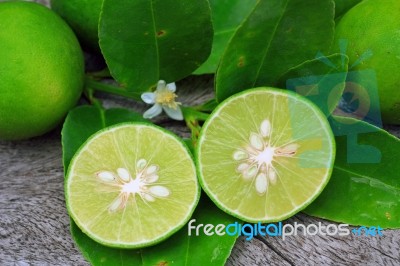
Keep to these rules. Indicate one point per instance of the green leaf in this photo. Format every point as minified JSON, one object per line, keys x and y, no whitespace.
{"x":342,"y":6}
{"x":208,"y":106}
{"x":98,"y":254}
{"x":321,"y":80}
{"x":365,"y":186}
{"x":84,"y":121}
{"x":278,"y":35}
{"x":179,"y":249}
{"x":144,"y":41}
{"x":227,"y":15}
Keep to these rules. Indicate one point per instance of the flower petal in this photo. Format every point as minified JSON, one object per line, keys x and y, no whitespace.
{"x":153,"y":112}
{"x":171,"y":87}
{"x":149,"y":97}
{"x":175,"y":114}
{"x":161,"y":85}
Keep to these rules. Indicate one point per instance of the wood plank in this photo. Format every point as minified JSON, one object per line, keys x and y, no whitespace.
{"x":34,"y":224}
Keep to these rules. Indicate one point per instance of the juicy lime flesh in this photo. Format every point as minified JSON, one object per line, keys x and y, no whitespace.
{"x":299,"y":150}
{"x":140,"y":222}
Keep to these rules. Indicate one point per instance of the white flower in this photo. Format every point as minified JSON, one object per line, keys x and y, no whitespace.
{"x":163,"y":98}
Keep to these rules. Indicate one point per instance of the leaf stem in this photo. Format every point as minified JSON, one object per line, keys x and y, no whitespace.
{"x":89,"y":94}
{"x":105,"y":73}
{"x":108,"y":88}
{"x":191,"y":113}
{"x":192,"y":119}
{"x":207,"y":107}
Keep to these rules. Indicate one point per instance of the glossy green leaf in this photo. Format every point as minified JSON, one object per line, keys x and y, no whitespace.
{"x":278,"y":35}
{"x":208,"y":106}
{"x":342,"y":6}
{"x":227,"y":15}
{"x":321,"y":80}
{"x":365,"y":185}
{"x":98,"y":254}
{"x":84,"y":121}
{"x":144,"y":41}
{"x":180,"y":249}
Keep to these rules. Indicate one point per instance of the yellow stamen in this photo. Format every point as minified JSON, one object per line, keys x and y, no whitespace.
{"x":167,"y":98}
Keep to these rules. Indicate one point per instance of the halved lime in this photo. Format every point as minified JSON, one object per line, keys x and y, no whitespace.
{"x":265,"y":154}
{"x":131,"y":185}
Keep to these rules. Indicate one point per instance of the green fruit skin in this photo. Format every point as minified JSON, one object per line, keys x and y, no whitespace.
{"x":41,"y":70}
{"x":342,"y":6}
{"x":375,"y":25}
{"x":83,"y":17}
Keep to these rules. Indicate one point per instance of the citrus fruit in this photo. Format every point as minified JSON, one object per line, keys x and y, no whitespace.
{"x":131,"y":185}
{"x":374,"y":26}
{"x":342,"y":6}
{"x":83,"y":17}
{"x":41,"y":70}
{"x":265,"y":154}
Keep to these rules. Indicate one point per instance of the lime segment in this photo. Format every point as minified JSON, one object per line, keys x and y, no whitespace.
{"x":265,"y":154}
{"x":131,"y":185}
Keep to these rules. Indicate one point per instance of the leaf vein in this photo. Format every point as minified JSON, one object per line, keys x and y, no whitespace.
{"x":368,"y":177}
{"x":155,"y":38}
{"x":269,"y":43}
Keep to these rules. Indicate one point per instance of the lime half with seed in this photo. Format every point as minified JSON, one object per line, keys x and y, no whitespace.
{"x":131,"y":185}
{"x":265,"y":154}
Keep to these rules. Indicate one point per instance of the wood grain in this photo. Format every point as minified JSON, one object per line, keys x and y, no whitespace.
{"x":34,"y":224}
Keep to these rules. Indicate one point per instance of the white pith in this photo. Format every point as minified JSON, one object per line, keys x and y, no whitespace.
{"x":256,"y":159}
{"x":143,"y":184}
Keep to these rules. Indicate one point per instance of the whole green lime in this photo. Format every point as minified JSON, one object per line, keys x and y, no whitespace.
{"x":41,"y":70}
{"x":375,"y":26}
{"x":83,"y":17}
{"x":342,"y":6}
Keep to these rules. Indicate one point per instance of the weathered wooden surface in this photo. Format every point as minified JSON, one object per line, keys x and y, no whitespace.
{"x":34,"y":224}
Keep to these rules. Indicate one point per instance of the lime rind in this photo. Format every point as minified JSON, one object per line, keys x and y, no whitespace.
{"x":145,"y":243}
{"x":325,"y":125}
